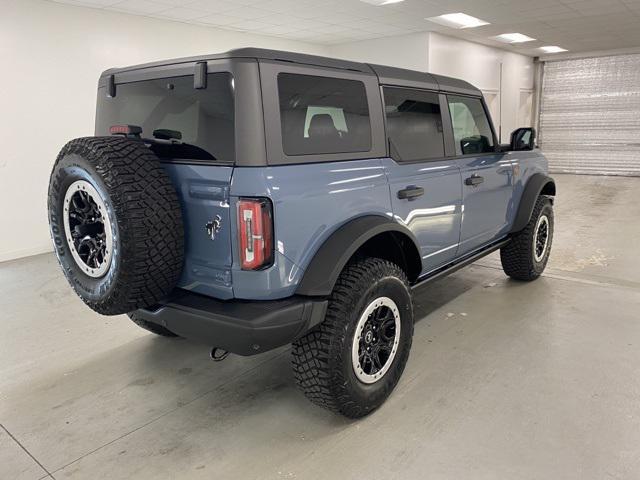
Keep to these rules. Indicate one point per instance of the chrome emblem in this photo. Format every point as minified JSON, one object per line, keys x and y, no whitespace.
{"x":213,"y":227}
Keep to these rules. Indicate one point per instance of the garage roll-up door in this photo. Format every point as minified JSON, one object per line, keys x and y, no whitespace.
{"x":590,"y":115}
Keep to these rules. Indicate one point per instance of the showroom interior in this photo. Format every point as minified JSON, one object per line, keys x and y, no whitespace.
{"x":505,"y":380}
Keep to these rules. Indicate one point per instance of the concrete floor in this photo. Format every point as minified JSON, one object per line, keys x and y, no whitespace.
{"x":505,"y":380}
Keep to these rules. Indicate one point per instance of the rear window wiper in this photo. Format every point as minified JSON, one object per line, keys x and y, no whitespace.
{"x":166,"y":134}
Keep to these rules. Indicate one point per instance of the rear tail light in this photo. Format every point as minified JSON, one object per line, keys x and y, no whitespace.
{"x":255,"y":232}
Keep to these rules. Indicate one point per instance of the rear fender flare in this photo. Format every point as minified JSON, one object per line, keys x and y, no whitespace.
{"x":322,"y":273}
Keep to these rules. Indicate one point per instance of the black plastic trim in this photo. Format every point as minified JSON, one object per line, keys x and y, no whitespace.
{"x":111,"y":86}
{"x":200,"y":76}
{"x":532,"y":190}
{"x":460,"y":263}
{"x":239,"y":326}
{"x":322,"y":273}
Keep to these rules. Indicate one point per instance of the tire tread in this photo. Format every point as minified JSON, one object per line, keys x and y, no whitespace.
{"x":517,"y":256}
{"x":149,"y":219}
{"x":316,"y":355}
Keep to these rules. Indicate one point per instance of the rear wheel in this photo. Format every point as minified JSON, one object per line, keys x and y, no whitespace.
{"x":352,"y":361}
{"x":526,"y":255}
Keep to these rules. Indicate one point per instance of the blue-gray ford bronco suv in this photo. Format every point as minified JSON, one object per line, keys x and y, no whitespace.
{"x":256,"y":198}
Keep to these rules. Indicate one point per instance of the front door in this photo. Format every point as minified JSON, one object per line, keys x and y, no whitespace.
{"x":487,"y":175}
{"x":425,"y":186}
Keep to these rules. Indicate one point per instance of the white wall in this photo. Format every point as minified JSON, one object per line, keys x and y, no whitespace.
{"x":404,"y":51}
{"x":477,"y":64}
{"x":51,"y":57}
{"x":480,"y":66}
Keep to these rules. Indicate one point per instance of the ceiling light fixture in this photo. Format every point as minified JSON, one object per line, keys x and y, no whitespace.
{"x":553,"y":49}
{"x":379,"y":3}
{"x":457,"y":20}
{"x":513,"y":38}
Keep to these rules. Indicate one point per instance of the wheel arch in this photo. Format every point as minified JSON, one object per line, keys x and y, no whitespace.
{"x":538,"y":184}
{"x":370,"y":235}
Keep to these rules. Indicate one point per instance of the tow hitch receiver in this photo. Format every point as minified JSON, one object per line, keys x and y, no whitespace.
{"x":218,"y":354}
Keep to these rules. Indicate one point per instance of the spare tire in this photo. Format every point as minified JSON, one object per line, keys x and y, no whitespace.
{"x":116,"y":223}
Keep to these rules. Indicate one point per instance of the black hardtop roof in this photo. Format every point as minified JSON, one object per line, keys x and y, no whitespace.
{"x":386,"y":75}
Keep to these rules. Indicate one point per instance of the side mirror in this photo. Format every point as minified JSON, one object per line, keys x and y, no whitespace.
{"x":523,"y":139}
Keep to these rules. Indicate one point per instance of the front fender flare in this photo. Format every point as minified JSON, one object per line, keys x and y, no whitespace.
{"x":539,"y":183}
{"x":323,"y":271}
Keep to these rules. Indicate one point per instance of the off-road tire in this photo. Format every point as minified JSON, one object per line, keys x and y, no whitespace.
{"x":518,"y":257}
{"x":322,"y":359}
{"x":150,"y":326}
{"x":145,"y":219}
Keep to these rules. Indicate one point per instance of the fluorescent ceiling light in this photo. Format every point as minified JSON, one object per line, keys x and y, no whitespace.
{"x":379,"y":3}
{"x":514,"y":38}
{"x":457,"y":20}
{"x":553,"y":49}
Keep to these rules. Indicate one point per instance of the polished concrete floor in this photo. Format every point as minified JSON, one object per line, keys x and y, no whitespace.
{"x":505,"y":380}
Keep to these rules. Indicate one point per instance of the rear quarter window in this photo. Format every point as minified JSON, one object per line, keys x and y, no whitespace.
{"x":323,"y":115}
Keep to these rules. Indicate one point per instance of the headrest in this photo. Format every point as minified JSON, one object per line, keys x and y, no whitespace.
{"x":322,"y":124}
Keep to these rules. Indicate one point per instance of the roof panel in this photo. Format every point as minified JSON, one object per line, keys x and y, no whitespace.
{"x":386,"y":75}
{"x":259,"y":53}
{"x":404,"y":77}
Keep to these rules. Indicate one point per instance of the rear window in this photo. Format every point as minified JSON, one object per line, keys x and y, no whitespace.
{"x":204,"y":117}
{"x":322,"y":115}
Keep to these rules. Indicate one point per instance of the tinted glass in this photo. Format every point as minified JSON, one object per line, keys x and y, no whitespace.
{"x":471,"y":129}
{"x":204,"y":117}
{"x":414,"y":124}
{"x":323,"y":115}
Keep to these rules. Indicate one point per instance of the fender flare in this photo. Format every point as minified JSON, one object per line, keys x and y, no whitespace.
{"x":325,"y":267}
{"x":539,"y":183}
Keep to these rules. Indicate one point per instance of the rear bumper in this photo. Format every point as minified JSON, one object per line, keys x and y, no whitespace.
{"x":239,"y":326}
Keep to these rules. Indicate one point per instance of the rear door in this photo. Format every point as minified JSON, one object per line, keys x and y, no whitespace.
{"x":487,"y":175}
{"x":191,"y":128}
{"x":426,"y":193}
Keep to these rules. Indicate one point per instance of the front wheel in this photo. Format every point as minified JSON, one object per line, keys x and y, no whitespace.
{"x":352,"y":361}
{"x":526,"y":255}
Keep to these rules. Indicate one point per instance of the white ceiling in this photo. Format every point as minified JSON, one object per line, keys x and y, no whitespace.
{"x":577,"y":25}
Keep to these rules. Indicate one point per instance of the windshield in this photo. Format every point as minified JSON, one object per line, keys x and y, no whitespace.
{"x":203,"y":118}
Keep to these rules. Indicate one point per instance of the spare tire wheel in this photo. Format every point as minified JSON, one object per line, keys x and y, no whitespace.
{"x":116,"y":223}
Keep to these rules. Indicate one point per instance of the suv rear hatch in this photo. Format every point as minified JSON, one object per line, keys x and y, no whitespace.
{"x":192,"y":130}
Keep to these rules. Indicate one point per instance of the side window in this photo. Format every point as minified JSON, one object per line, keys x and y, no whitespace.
{"x":471,"y":130}
{"x":321,"y":115}
{"x":414,"y":123}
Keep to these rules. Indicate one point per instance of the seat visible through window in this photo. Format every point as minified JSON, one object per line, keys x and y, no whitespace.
{"x":321,"y":126}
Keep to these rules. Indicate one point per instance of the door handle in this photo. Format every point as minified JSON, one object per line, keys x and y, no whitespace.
{"x":474,"y":180}
{"x":410,"y":193}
